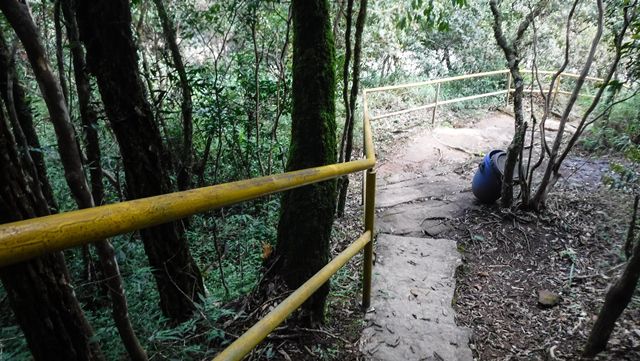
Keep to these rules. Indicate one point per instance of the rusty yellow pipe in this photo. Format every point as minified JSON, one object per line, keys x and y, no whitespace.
{"x":250,"y":339}
{"x":20,"y":241}
{"x":23,"y":240}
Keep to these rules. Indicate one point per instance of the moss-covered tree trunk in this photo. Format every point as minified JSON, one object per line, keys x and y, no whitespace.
{"x":307,"y":213}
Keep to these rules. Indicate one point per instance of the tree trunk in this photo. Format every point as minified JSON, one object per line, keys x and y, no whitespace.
{"x":512,"y":54}
{"x":59,"y":51}
{"x":186,"y":161}
{"x":629,"y":242}
{"x":343,"y":182}
{"x":355,"y":82}
{"x":17,"y":13}
{"x":105,"y":29}
{"x":88,"y":114}
{"x":307,"y":213}
{"x":517,"y":143}
{"x":546,"y":184}
{"x":616,"y":300}
{"x":39,"y":291}
{"x":20,"y":19}
{"x":106,"y":252}
{"x":13,"y":95}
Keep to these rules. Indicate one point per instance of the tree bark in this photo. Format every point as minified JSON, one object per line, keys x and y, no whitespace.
{"x":539,"y":199}
{"x":88,"y":114}
{"x":20,"y":19}
{"x":105,"y":29}
{"x":307,"y":213}
{"x":19,"y":112}
{"x":512,"y":54}
{"x":616,"y":300}
{"x":18,"y":14}
{"x":39,"y":291}
{"x":106,"y":252}
{"x":355,"y":82}
{"x":186,"y":161}
{"x":59,"y":50}
{"x":629,"y":242}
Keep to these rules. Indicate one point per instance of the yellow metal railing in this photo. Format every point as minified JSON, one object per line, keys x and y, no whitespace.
{"x":20,"y":241}
{"x":437,"y":82}
{"x":30,"y":238}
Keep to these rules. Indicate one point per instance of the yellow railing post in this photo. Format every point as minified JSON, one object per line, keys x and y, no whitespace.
{"x":435,"y":106}
{"x":506,"y":100}
{"x":369,"y":224}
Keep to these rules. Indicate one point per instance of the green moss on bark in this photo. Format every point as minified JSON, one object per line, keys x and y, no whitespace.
{"x":307,"y":213}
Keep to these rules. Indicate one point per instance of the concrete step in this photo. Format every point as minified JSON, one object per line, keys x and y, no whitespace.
{"x":411,"y":316}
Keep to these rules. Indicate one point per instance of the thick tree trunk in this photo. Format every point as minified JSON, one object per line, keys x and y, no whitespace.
{"x":39,"y":291}
{"x":186,"y":161}
{"x":616,"y":300}
{"x":105,"y":29}
{"x":20,"y":19}
{"x":307,"y":213}
{"x":106,"y":252}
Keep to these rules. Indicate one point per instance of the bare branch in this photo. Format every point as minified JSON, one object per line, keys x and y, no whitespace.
{"x":629,"y":15}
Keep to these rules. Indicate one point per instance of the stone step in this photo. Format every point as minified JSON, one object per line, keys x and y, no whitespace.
{"x":411,"y":316}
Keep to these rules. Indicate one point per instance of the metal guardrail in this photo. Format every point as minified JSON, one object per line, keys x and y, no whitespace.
{"x":20,"y":241}
{"x":23,"y":240}
{"x":437,"y":82}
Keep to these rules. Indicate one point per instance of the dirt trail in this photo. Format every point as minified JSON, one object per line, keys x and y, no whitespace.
{"x":420,"y":186}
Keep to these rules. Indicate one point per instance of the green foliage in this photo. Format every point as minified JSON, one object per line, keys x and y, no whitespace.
{"x":617,"y":130}
{"x":12,"y":343}
{"x":625,"y":177}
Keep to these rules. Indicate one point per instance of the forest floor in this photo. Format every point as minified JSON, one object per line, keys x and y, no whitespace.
{"x":573,"y":249}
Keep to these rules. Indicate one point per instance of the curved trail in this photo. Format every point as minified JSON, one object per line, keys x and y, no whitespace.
{"x":420,"y":187}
